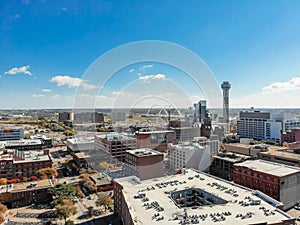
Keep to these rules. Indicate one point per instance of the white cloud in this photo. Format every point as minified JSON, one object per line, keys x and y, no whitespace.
{"x":64,"y":9}
{"x":94,"y":96}
{"x":46,"y":90}
{"x":116,"y":92}
{"x":145,"y":67}
{"x":147,"y":78}
{"x":277,"y":87}
{"x":159,"y":76}
{"x":55,"y":97}
{"x":16,"y":70}
{"x":131,"y":70}
{"x":37,"y":96}
{"x":72,"y":82}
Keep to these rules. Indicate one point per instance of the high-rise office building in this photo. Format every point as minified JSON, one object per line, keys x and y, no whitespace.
{"x":200,"y":111}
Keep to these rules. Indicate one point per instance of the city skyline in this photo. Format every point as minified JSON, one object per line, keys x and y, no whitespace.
{"x":47,"y":47}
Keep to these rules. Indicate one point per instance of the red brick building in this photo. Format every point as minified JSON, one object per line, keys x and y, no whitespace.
{"x":25,"y":193}
{"x":278,"y":181}
{"x":157,"y":140}
{"x":290,"y":136}
{"x":19,"y":164}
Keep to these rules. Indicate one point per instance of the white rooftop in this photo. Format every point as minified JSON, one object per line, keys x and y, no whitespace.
{"x":114,"y":136}
{"x":81,"y":140}
{"x":144,"y":152}
{"x":271,"y":168}
{"x":238,"y":209}
{"x":21,"y":142}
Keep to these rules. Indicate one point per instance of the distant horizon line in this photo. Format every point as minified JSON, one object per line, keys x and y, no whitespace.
{"x":108,"y":108}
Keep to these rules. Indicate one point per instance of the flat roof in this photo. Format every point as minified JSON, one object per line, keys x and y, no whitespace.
{"x":24,"y":156}
{"x":271,"y":168}
{"x":114,"y":136}
{"x":231,"y":157}
{"x":11,"y":128}
{"x":158,"y":192}
{"x":30,"y":185}
{"x":140,"y":152}
{"x":21,"y":142}
{"x":155,"y":132}
{"x":81,"y":140}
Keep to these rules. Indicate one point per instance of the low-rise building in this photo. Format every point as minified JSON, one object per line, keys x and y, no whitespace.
{"x":193,"y":197}
{"x":279,"y":181}
{"x":23,"y":145}
{"x":46,"y":140}
{"x":144,"y":163}
{"x":222,"y":165}
{"x":186,"y":133}
{"x":189,"y":155}
{"x":19,"y":164}
{"x":81,"y":144}
{"x":157,"y":140}
{"x":25,"y":193}
{"x":102,"y":182}
{"x":271,"y":153}
{"x":290,"y":136}
{"x":11,"y":133}
{"x":115,"y":144}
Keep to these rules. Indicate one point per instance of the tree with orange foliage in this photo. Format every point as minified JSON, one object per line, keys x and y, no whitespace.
{"x":46,"y":173}
{"x":3,"y":181}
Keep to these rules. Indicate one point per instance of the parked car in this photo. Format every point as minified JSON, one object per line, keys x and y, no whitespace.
{"x":297,"y":207}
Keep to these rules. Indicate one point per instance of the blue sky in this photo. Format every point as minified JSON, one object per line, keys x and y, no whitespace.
{"x":46,"y":47}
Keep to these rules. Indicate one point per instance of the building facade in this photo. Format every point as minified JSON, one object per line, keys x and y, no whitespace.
{"x":222,"y":165}
{"x":290,"y":136}
{"x":11,"y":133}
{"x":252,"y":124}
{"x":19,"y":164}
{"x":144,"y":163}
{"x":115,"y":144}
{"x":23,"y":145}
{"x":278,"y":181}
{"x":189,"y":155}
{"x":157,"y":140}
{"x":26,"y":193}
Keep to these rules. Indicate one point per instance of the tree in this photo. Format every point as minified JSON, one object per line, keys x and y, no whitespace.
{"x":69,"y":132}
{"x":106,"y":166}
{"x":105,"y":200}
{"x":3,"y":181}
{"x":46,"y":173}
{"x":90,"y":210}
{"x":66,"y":209}
{"x":61,"y":192}
{"x":3,"y":208}
{"x":2,"y":219}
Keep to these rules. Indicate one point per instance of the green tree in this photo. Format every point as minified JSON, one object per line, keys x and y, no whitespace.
{"x":69,"y":132}
{"x":61,"y":192}
{"x":66,"y":209}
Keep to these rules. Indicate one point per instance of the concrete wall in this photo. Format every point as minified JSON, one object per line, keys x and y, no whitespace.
{"x":290,"y":190}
